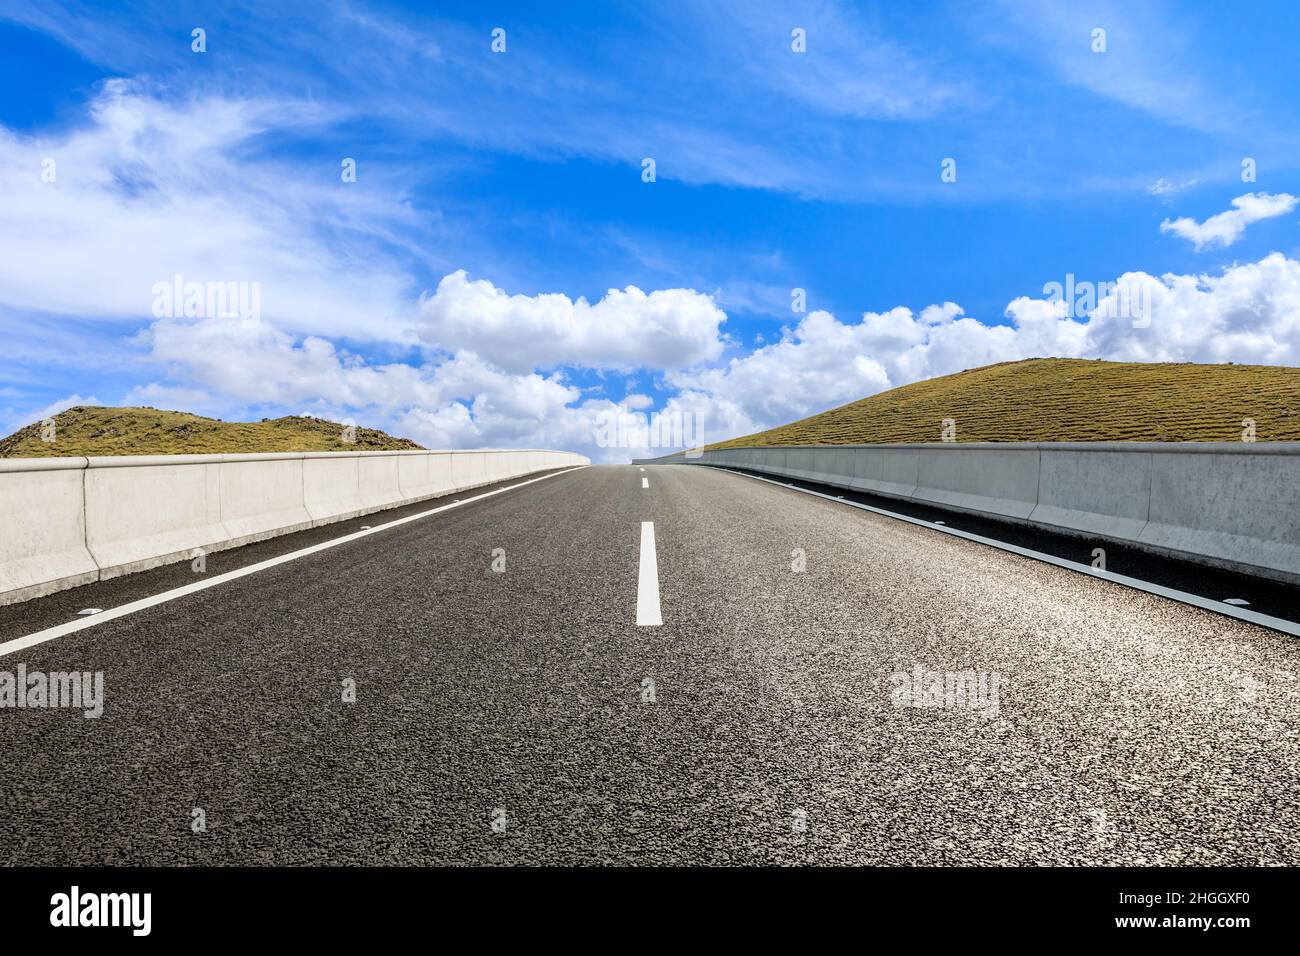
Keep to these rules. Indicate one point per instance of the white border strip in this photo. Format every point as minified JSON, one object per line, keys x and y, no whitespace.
{"x":62,"y":630}
{"x":1184,"y":597}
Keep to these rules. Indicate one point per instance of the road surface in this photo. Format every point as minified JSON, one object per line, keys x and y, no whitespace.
{"x":523,"y":716}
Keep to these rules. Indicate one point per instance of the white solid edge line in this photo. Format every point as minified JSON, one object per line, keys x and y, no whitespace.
{"x":71,"y":627}
{"x":645,"y":482}
{"x":647,"y":581}
{"x":1185,"y":597}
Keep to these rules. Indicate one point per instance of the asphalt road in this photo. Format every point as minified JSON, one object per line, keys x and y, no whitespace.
{"x":1126,"y":729}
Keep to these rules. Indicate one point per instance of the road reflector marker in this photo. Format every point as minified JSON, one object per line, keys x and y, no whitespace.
{"x":647,"y":582}
{"x":86,"y":611}
{"x":1239,"y":602}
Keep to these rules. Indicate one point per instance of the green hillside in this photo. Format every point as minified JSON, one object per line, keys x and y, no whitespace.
{"x":96,"y":430}
{"x":1064,"y":400}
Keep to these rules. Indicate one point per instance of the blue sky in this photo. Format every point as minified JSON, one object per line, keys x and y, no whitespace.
{"x":439,"y":294}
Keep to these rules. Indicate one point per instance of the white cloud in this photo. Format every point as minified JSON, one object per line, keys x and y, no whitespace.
{"x":1248,"y":314}
{"x":462,"y":401}
{"x":1225,"y":228}
{"x":1145,"y":64}
{"x":1164,"y":187}
{"x":669,"y":328}
{"x":824,"y":362}
{"x":149,"y":189}
{"x":479,"y":424}
{"x":16,"y":422}
{"x":852,"y":69}
{"x":257,"y":364}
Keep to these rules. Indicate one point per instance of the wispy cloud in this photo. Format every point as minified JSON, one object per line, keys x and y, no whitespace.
{"x":16,"y":420}
{"x":1225,"y":228}
{"x":150,"y":189}
{"x":714,"y":93}
{"x":1163,"y":187}
{"x":1136,"y":59}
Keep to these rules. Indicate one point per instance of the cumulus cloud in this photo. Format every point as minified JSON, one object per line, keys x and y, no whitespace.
{"x":824,"y":362}
{"x":481,"y":424}
{"x":669,"y":328}
{"x":459,"y":401}
{"x":254,"y":362}
{"x":1248,"y":314}
{"x":149,"y":188}
{"x":1225,"y":228}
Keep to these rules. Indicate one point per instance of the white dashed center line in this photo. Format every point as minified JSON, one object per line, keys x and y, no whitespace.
{"x":647,"y":584}
{"x":645,"y":482}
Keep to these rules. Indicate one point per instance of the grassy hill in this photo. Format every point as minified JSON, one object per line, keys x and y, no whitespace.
{"x":1064,"y":400}
{"x":95,"y":430}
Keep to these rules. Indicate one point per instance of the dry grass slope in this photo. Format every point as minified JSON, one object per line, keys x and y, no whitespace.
{"x":1064,"y":400}
{"x":95,"y":430}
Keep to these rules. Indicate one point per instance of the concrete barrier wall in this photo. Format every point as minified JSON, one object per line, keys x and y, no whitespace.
{"x":468,"y":470}
{"x":377,"y":480}
{"x":1229,"y":505}
{"x":143,"y":511}
{"x":424,"y":476}
{"x":893,"y":472}
{"x":986,"y":480}
{"x":43,"y":527}
{"x":70,"y":521}
{"x":331,"y":487}
{"x":1237,"y":509}
{"x":1098,"y":492}
{"x":261,"y":496}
